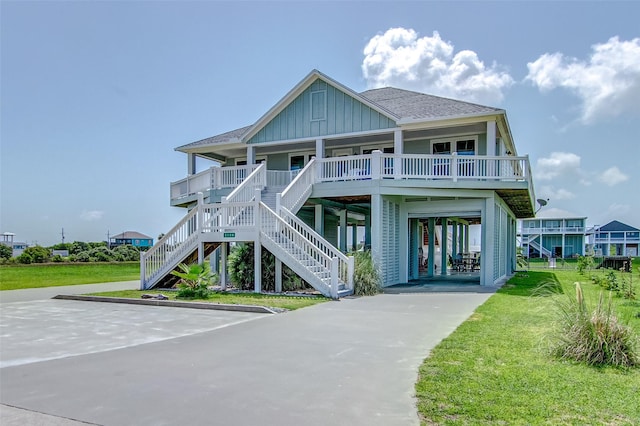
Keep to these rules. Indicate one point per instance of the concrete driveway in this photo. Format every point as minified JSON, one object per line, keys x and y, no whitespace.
{"x":351,"y":362}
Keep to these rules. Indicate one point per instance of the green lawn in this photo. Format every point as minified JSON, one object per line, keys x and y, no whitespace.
{"x":287,"y":302}
{"x":495,"y":368}
{"x":14,"y":277}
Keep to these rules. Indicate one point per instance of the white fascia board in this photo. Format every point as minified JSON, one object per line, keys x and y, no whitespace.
{"x":231,"y":143}
{"x":301,"y":87}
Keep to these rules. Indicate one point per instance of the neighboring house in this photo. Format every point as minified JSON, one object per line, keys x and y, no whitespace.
{"x":131,"y":238}
{"x":7,"y":238}
{"x":615,"y":239}
{"x":561,"y":237}
{"x":326,"y":161}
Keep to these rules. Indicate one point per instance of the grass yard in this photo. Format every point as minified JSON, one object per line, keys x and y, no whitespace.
{"x":496,"y":368}
{"x":287,"y":302}
{"x":14,"y":277}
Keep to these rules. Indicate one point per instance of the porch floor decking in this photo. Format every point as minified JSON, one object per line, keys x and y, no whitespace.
{"x":458,"y":282}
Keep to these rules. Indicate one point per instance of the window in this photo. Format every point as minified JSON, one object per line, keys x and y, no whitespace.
{"x":319,"y":105}
{"x":467,"y":147}
{"x":442,"y":148}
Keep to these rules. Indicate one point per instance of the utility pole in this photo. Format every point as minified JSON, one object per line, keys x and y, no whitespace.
{"x":62,"y":233}
{"x":108,"y":240}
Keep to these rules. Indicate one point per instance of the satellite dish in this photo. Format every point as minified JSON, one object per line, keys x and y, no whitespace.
{"x":542,"y":203}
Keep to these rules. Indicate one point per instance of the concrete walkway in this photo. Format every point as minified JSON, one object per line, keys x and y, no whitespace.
{"x":351,"y":362}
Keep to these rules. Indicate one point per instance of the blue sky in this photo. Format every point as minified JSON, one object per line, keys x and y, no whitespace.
{"x":95,"y":96}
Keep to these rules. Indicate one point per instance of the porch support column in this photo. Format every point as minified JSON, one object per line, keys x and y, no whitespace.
{"x":223,"y":266}
{"x":251,"y":155}
{"x":257,"y":267}
{"x":319,"y":148}
{"x":443,"y":245}
{"x":191,"y":164}
{"x":278,"y":276}
{"x":398,"y":148}
{"x":354,"y":236}
{"x":431,"y":228}
{"x":466,"y":238}
{"x":491,"y":138}
{"x":214,"y":261}
{"x":460,"y":238}
{"x":487,"y":242}
{"x":319,"y":219}
{"x":454,"y":239}
{"x":367,"y":231}
{"x":343,"y":230}
{"x":376,"y":231}
{"x":414,"y":243}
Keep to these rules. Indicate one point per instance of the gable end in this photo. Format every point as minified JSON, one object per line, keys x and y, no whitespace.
{"x":321,"y":110}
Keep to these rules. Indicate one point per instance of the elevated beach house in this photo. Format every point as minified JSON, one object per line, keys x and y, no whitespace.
{"x":328,"y":170}
{"x":561,"y":237}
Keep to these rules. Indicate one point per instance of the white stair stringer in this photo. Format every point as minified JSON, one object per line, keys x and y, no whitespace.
{"x":301,"y":255}
{"x":536,"y":245}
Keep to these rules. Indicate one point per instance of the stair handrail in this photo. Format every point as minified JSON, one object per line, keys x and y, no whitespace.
{"x":297,"y":192}
{"x":245,"y":192}
{"x":345,"y":263}
{"x":155,"y":260}
{"x":303,"y":244}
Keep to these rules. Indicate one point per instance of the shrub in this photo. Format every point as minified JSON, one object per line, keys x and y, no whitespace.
{"x":35,"y":254}
{"x":6,"y":252}
{"x":584,"y":263}
{"x":241,"y":270}
{"x":194,"y":281}
{"x":366,"y":278}
{"x":593,"y":336}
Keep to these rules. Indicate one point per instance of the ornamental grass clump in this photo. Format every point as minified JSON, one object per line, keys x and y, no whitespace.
{"x":366,"y":278}
{"x":594,"y":336}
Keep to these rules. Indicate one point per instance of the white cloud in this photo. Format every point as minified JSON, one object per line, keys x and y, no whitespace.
{"x":428,"y":64}
{"x":608,"y":84}
{"x":91,"y":215}
{"x":613,"y":176}
{"x":556,"y":165}
{"x":549,"y":192}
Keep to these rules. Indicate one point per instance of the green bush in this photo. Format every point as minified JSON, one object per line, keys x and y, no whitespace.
{"x":241,"y":270}
{"x":6,"y":252}
{"x":594,"y":336}
{"x":366,"y":278}
{"x":585,"y":263}
{"x":35,"y":254}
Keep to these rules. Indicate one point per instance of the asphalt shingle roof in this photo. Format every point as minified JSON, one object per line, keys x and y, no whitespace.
{"x":132,"y":235}
{"x":403,"y":104}
{"x":614,"y":225}
{"x":408,"y":105}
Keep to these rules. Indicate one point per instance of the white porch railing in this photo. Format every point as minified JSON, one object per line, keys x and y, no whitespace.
{"x":246,"y":190}
{"x":294,"y":195}
{"x":416,"y":166}
{"x":213,"y":178}
{"x":160,"y":259}
{"x":280,"y":178}
{"x":555,"y":230}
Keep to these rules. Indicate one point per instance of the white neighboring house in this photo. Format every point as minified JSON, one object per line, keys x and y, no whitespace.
{"x":615,"y":239}
{"x":17,"y":246}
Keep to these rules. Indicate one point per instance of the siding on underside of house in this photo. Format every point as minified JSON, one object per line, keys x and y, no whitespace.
{"x":338,"y":111}
{"x":390,"y":267}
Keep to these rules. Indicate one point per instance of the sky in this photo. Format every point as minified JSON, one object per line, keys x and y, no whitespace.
{"x":95,"y":95}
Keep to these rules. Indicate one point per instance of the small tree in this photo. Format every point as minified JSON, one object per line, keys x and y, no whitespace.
{"x":194,"y":280}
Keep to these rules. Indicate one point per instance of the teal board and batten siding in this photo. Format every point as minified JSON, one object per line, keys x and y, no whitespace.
{"x":573,"y":244}
{"x":340,"y":113}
